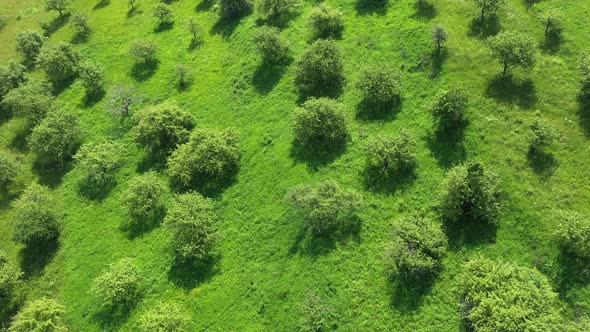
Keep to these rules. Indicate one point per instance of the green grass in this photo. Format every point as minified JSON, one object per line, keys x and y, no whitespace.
{"x":266,"y":265}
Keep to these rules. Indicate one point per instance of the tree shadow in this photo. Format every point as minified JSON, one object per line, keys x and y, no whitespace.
{"x":152,"y":161}
{"x":137,"y":228}
{"x":584,"y":112}
{"x":374,"y":180}
{"x":369,"y":7}
{"x":189,"y":274}
{"x":204,"y":5}
{"x":509,"y":90}
{"x":490,"y":26}
{"x":226,"y":26}
{"x":316,"y":154}
{"x":333,"y":90}
{"x":56,"y":24}
{"x":279,"y":21}
{"x":541,"y":162}
{"x":142,"y":71}
{"x":467,"y":232}
{"x":93,"y":191}
{"x":194,"y":44}
{"x":447,"y":145}
{"x":163,"y":26}
{"x":35,"y":257}
{"x":91,"y":98}
{"x":112,"y":318}
{"x":530,"y":3}
{"x":207,"y":186}
{"x":50,"y":174}
{"x":19,"y":141}
{"x":101,"y":4}
{"x":552,"y":42}
{"x":438,"y":59}
{"x":313,"y":244}
{"x":80,"y":38}
{"x":61,"y":85}
{"x":133,"y":11}
{"x":407,"y":293}
{"x":573,"y":272}
{"x":368,"y":111}
{"x":268,"y":75}
{"x":425,"y":9}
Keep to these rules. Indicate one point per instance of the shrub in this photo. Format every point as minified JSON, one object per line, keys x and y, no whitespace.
{"x":118,"y":285}
{"x":79,"y":23}
{"x":11,"y":77}
{"x":271,"y":45}
{"x":488,"y":6}
{"x":91,"y":76}
{"x":35,"y":220}
{"x":144,"y":50}
{"x":551,"y":20}
{"x":542,"y":135}
{"x":184,"y":75}
{"x":57,"y":5}
{"x":439,"y":37}
{"x":320,"y":120}
{"x":234,"y":8}
{"x":208,"y":154}
{"x":379,"y":85}
{"x":31,"y":101}
{"x":448,"y":108}
{"x":163,"y":12}
{"x":190,"y":219}
{"x":57,"y":137}
{"x":471,"y":192}
{"x":131,"y":3}
{"x":165,"y":317}
{"x":320,"y":70}
{"x":584,"y":68}
{"x":326,"y":205}
{"x":59,"y":61}
{"x":3,"y":21}
{"x":121,"y":100}
{"x":162,"y":127}
{"x":98,"y":162}
{"x":8,"y":167}
{"x":507,"y":297}
{"x":573,"y":234}
{"x":326,"y":22}
{"x":512,"y":49}
{"x":316,"y":314}
{"x":10,"y":276}
{"x":273,"y":9}
{"x":144,"y":199}
{"x":40,"y":315}
{"x":392,"y":154}
{"x":29,"y":44}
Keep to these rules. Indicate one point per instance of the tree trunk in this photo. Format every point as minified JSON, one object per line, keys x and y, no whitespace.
{"x":505,"y":69}
{"x":482,"y":14}
{"x":546,"y":29}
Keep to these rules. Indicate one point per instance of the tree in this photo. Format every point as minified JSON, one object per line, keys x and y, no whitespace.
{"x":11,"y":77}
{"x":551,"y":20}
{"x":118,"y":286}
{"x":506,"y":297}
{"x":326,"y":22}
{"x":584,"y":68}
{"x":209,"y":154}
{"x":8,"y":173}
{"x":121,"y":100}
{"x":58,"y":5}
{"x":488,"y":6}
{"x":573,"y":234}
{"x":542,"y":135}
{"x":512,"y":49}
{"x":57,"y":137}
{"x":184,"y":75}
{"x":417,"y":248}
{"x":10,"y":276}
{"x":471,"y":192}
{"x":91,"y":76}
{"x":36,"y":223}
{"x":320,"y":69}
{"x":380,"y":85}
{"x":31,"y":101}
{"x":317,"y":314}
{"x":43,"y":314}
{"x":392,"y":154}
{"x":273,"y":9}
{"x":131,"y":3}
{"x":193,"y":28}
{"x":234,"y":8}
{"x":29,"y":44}
{"x":439,"y":37}
{"x":98,"y":162}
{"x":449,"y":107}
{"x":165,"y":317}
{"x":144,"y":198}
{"x":162,"y":127}
{"x":325,"y":206}
{"x":60,"y":61}
{"x":190,"y":219}
{"x":163,"y":12}
{"x":273,"y":48}
{"x":79,"y":23}
{"x":320,"y":121}
{"x":144,"y":50}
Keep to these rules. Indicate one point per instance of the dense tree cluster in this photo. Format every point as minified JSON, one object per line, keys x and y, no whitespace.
{"x":144,"y":199}
{"x":35,"y":220}
{"x":59,"y":61}
{"x":57,"y":137}
{"x":320,"y":69}
{"x":31,"y":101}
{"x":162,"y":127}
{"x":43,"y":314}
{"x":10,"y":276}
{"x":8,"y":173}
{"x":29,"y":44}
{"x":11,"y":77}
{"x":119,"y":285}
{"x":99,"y":161}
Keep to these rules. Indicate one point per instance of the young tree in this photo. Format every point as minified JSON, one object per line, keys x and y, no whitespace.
{"x":57,"y":137}
{"x":79,"y":23}
{"x":488,"y":6}
{"x":36,"y":223}
{"x":190,"y":219}
{"x":317,"y":314}
{"x":10,"y":276}
{"x":273,"y":9}
{"x":193,"y":28}
{"x":162,"y":127}
{"x":144,"y":50}
{"x":31,"y":101}
{"x":131,"y":3}
{"x":326,"y":206}
{"x":208,"y":154}
{"x":542,"y":135}
{"x":449,"y":107}
{"x":43,"y":314}
{"x":8,"y":171}
{"x":3,"y":21}
{"x":58,"y":5}
{"x":98,"y":162}
{"x":118,"y":285}
{"x":380,"y":85}
{"x":320,"y":69}
{"x":184,"y":75}
{"x":163,"y":12}
{"x":91,"y":76}
{"x":165,"y":317}
{"x":29,"y":44}
{"x":439,"y":37}
{"x":11,"y":77}
{"x":326,"y":22}
{"x":512,"y":49}
{"x":392,"y":154}
{"x":573,"y":234}
{"x":320,"y":121}
{"x":551,"y":20}
{"x":144,"y":199}
{"x":584,"y":68}
{"x":59,"y":61}
{"x":273,"y":48}
{"x":234,"y":8}
{"x":121,"y":100}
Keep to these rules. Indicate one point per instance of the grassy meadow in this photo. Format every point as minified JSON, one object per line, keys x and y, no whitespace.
{"x":266,"y":264}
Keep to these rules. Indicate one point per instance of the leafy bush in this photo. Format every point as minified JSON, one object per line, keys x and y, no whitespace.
{"x":59,"y":61}
{"x":165,"y":317}
{"x":163,"y":12}
{"x":488,"y":6}
{"x":320,"y":70}
{"x":98,"y":162}
{"x":584,"y":68}
{"x":11,"y":77}
{"x":144,"y":50}
{"x":184,"y":75}
{"x":379,"y":85}
{"x":320,"y":120}
{"x":551,"y":20}
{"x":392,"y":154}
{"x":79,"y":23}
{"x":9,"y":277}
{"x":271,"y":45}
{"x":8,"y":167}
{"x":118,"y":286}
{"x":506,"y":297}
{"x":35,"y":220}
{"x":417,"y":248}
{"x":234,"y":8}
{"x":439,"y":37}
{"x":162,"y":127}
{"x":542,"y":135}
{"x":273,"y":9}
{"x":573,"y":234}
{"x":29,"y":44}
{"x":57,"y":137}
{"x":316,"y":314}
{"x":471,"y":192}
{"x":144,"y":199}
{"x":190,"y":219}
{"x":326,"y":22}
{"x":40,"y":315}
{"x":91,"y":76}
{"x":208,"y":154}
{"x":31,"y":101}
{"x":326,"y":205}
{"x":57,"y":5}
{"x":513,"y":49}
{"x":448,"y":108}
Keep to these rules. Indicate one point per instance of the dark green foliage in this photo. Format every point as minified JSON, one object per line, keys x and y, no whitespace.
{"x":379,"y":85}
{"x":449,"y":107}
{"x":98,"y":162}
{"x":9,"y":278}
{"x":118,"y":286}
{"x":163,"y":12}
{"x":273,"y":9}
{"x":320,"y":70}
{"x":513,"y":49}
{"x":79,"y":23}
{"x":3,"y":21}
{"x":91,"y":76}
{"x":8,"y":173}
{"x":489,"y":6}
{"x":190,"y":219}
{"x":326,"y":205}
{"x":144,"y":50}
{"x":209,"y":154}
{"x":31,"y":101}
{"x":162,"y":127}
{"x":584,"y":67}
{"x":29,"y":44}
{"x":439,"y":37}
{"x":320,"y":120}
{"x":42,"y":315}
{"x":234,"y":8}
{"x":165,"y":317}
{"x":35,"y":219}
{"x":144,"y":199}
{"x":59,"y":61}
{"x":316,"y":314}
{"x":542,"y":135}
{"x":471,"y":192}
{"x":326,"y":22}
{"x":573,"y":234}
{"x":271,"y":45}
{"x":417,"y":248}
{"x":11,"y":77}
{"x":57,"y":5}
{"x":392,"y":155}
{"x":506,"y":297}
{"x":57,"y":137}
{"x":184,"y":75}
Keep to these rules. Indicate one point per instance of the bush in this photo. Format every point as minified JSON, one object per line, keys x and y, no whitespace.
{"x":8,"y":173}
{"x":573,"y":234}
{"x":118,"y":285}
{"x":316,"y":314}
{"x":165,"y":317}
{"x":512,"y":49}
{"x":234,"y":8}
{"x":326,"y":205}
{"x":193,"y":28}
{"x":584,"y":68}
{"x":144,"y":199}
{"x":320,"y":120}
{"x":79,"y":23}
{"x":131,"y":3}
{"x":380,"y":86}
{"x":40,"y":315}
{"x":11,"y":77}
{"x":274,"y":9}
{"x":57,"y":5}
{"x":31,"y":101}
{"x":163,"y":12}
{"x":326,"y":22}
{"x":471,"y":192}
{"x":507,"y":297}
{"x":59,"y":61}
{"x":208,"y":154}
{"x":417,"y":248}
{"x":551,"y":20}
{"x":439,"y":37}
{"x":184,"y":75}
{"x":29,"y":44}
{"x":320,"y":70}
{"x":98,"y":162}
{"x":273,"y":48}
{"x":91,"y":76}
{"x":144,"y":50}
{"x":392,"y":155}
{"x":190,"y":219}
{"x":542,"y":135}
{"x":10,"y":276}
{"x":488,"y":6}
{"x":35,"y":220}
{"x":449,"y":107}
{"x":162,"y":127}
{"x":57,"y":137}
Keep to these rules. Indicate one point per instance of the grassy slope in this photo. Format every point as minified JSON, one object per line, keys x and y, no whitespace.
{"x":266,"y":266}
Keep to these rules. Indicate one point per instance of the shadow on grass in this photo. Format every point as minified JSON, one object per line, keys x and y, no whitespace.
{"x":143,"y":71}
{"x":268,"y":75}
{"x":204,"y":5}
{"x":584,"y":113}
{"x":190,"y":274}
{"x":542,"y":163}
{"x":61,"y":85}
{"x":573,"y":272}
{"x":51,"y":27}
{"x":334,"y":90}
{"x":369,"y":7}
{"x":226,"y":26}
{"x":530,"y":3}
{"x":368,"y":111}
{"x":490,"y":26}
{"x":310,"y":243}
{"x":407,"y":293}
{"x":152,"y":161}
{"x":163,"y":26}
{"x":101,"y":4}
{"x":194,"y":44}
{"x":207,"y":186}
{"x":137,"y":228}
{"x":552,"y":42}
{"x":467,"y":232}
{"x":376,"y":181}
{"x":438,"y":59}
{"x":5,"y":114}
{"x":96,"y":192}
{"x":19,"y":141}
{"x":279,"y":21}
{"x":447,"y":145}
{"x":50,"y":174}
{"x":8,"y":308}
{"x":316,"y":154}
{"x":424,"y":9}
{"x":80,"y":38}
{"x":509,"y":90}
{"x":91,"y":98}
{"x":111,"y":318}
{"x":133,"y":11}
{"x":33,"y":258}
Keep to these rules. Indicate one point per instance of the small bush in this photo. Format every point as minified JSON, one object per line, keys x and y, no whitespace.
{"x":144,"y":50}
{"x":11,"y":77}
{"x":320,"y":70}
{"x":29,"y":44}
{"x":163,"y":12}
{"x":584,"y":68}
{"x":56,"y":138}
{"x":35,"y":220}
{"x":573,"y":234}
{"x":274,"y":9}
{"x":91,"y":76}
{"x":144,"y":199}
{"x":31,"y":101}
{"x":118,"y":286}
{"x":316,"y":314}
{"x":190,"y":219}
{"x":273,"y":48}
{"x":8,"y":173}
{"x":449,"y":107}
{"x":320,"y":121}
{"x":326,"y":22}
{"x":379,"y":85}
{"x":98,"y":162}
{"x":542,"y":135}
{"x":10,"y":276}
{"x":513,"y":49}
{"x":234,"y":8}
{"x":40,"y":315}
{"x":59,"y":61}
{"x":58,"y":5}
{"x":79,"y":23}
{"x":392,"y":155}
{"x":165,"y":317}
{"x":184,"y":75}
